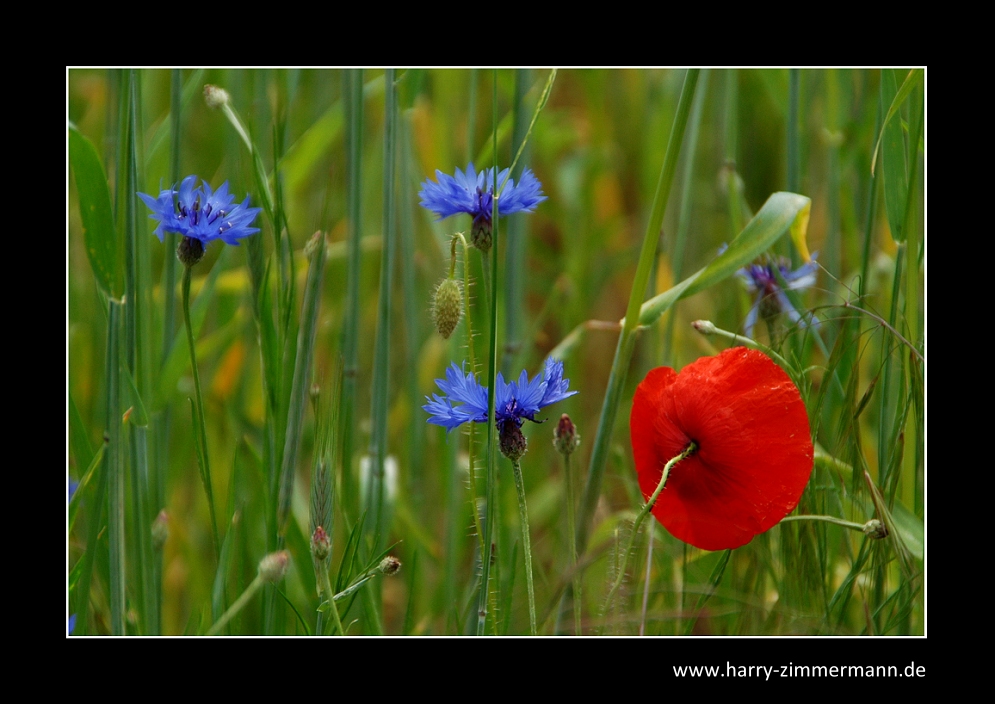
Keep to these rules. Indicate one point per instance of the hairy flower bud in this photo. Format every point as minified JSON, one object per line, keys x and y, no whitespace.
{"x":875,"y":529}
{"x":274,"y":566}
{"x":447,"y":306}
{"x":215,"y":97}
{"x":389,"y":565}
{"x":565,"y":436}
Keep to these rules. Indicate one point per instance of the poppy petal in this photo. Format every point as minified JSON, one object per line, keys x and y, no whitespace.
{"x":754,"y":454}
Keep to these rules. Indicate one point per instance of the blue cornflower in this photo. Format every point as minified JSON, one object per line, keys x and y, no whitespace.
{"x":473,"y":193}
{"x":200,"y":214}
{"x":770,"y":299}
{"x":514,"y":403}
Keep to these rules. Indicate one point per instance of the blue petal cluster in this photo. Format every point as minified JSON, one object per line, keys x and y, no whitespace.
{"x":761,"y":280}
{"x":514,"y":402}
{"x":201,"y":214}
{"x":473,"y":193}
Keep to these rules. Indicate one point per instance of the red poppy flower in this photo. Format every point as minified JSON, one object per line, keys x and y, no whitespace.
{"x":754,"y":453}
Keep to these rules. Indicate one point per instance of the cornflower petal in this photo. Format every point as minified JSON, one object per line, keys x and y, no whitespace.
{"x":201,"y":213}
{"x":761,"y":279}
{"x":473,"y":193}
{"x":516,"y":401}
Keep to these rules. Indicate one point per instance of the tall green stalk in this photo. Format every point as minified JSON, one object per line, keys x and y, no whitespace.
{"x":523,"y":513}
{"x":353,"y":102}
{"x":627,"y":338}
{"x":115,"y":471}
{"x":491,"y":488}
{"x":381,"y":353}
{"x":203,"y":459}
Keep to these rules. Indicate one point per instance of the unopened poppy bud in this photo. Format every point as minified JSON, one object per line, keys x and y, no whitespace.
{"x":321,"y":544}
{"x":160,"y":530}
{"x":390,"y":565}
{"x":565,"y":436}
{"x":215,"y":97}
{"x":274,"y":566}
{"x":447,"y":306}
{"x":875,"y":529}
{"x":189,"y":251}
{"x":705,"y":327}
{"x":511,"y":441}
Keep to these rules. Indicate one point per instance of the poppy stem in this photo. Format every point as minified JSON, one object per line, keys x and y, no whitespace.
{"x":523,"y":512}
{"x":828,"y":519}
{"x":641,"y":516}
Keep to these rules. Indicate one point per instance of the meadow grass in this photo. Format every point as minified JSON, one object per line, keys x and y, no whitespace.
{"x":220,"y":414}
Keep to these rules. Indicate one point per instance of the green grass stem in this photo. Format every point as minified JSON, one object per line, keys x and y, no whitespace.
{"x":523,"y":514}
{"x":626,"y":340}
{"x":203,"y":459}
{"x":301,"y":386}
{"x":353,"y":104}
{"x":115,"y":472}
{"x":491,"y":486}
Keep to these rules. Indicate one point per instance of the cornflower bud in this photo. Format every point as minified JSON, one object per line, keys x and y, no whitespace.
{"x":215,"y":97}
{"x":565,"y":436}
{"x":875,"y":529}
{"x":274,"y":566}
{"x":389,"y":565}
{"x":321,"y":544}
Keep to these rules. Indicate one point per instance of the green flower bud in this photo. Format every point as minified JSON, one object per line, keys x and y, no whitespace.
{"x":321,"y":544}
{"x":875,"y":529}
{"x":273,"y":567}
{"x":480,"y":235}
{"x":447,"y":306}
{"x":215,"y":97}
{"x":390,"y":565}
{"x":565,"y":436}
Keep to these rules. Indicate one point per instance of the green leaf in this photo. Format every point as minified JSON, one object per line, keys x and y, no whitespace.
{"x":95,"y":211}
{"x":911,"y":81}
{"x":782,"y":211}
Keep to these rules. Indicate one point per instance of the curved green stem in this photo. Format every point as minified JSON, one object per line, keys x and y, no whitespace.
{"x":827,"y":519}
{"x":641,"y":516}
{"x":328,"y":598}
{"x":202,"y":458}
{"x":523,"y":512}
{"x":239,"y":604}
